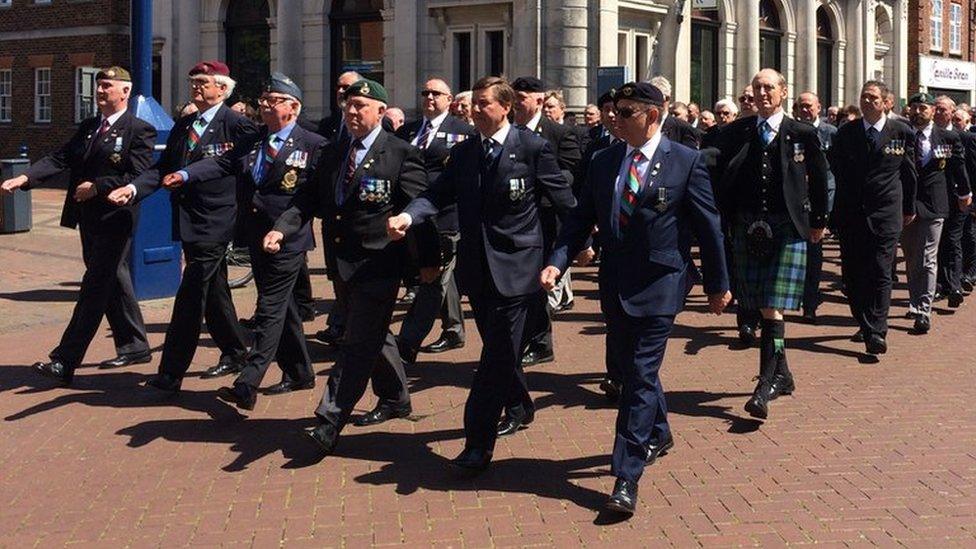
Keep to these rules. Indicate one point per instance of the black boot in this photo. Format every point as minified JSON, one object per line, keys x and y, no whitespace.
{"x":758,"y":405}
{"x":783,"y":379}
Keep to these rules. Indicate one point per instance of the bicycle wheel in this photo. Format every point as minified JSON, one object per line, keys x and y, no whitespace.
{"x":239,"y":271}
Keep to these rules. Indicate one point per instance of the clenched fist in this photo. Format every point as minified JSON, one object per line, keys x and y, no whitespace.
{"x":718,"y":302}
{"x":14,"y":183}
{"x":85,"y":191}
{"x":120,"y":196}
{"x":549,"y":277}
{"x":173,"y":180}
{"x":397,"y":226}
{"x":272,"y":242}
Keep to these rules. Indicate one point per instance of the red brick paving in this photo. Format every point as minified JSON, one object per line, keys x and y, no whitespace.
{"x":863,"y":454}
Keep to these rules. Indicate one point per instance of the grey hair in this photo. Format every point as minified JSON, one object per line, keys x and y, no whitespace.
{"x":662,"y":84}
{"x":227,"y":82}
{"x":733,"y":108}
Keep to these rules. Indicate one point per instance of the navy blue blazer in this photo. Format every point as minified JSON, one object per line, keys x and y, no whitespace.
{"x":262,"y":202}
{"x":498,"y":214}
{"x":646,"y":267}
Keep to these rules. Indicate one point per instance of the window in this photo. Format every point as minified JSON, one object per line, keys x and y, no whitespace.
{"x":770,"y":36}
{"x":4,"y":3}
{"x":42,"y":94}
{"x":825,"y":58}
{"x":495,"y":52}
{"x":642,"y":57}
{"x":462,"y":61}
{"x":85,"y":93}
{"x":935,"y":26}
{"x":5,"y":93}
{"x":704,"y":62}
{"x":634,"y":53}
{"x":955,"y":28}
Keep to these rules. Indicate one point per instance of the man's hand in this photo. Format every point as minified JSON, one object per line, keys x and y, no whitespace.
{"x":272,"y":242}
{"x":816,"y":235}
{"x":965,"y":203}
{"x":908,"y":219}
{"x":173,"y":180}
{"x":397,"y":225}
{"x":14,"y":183}
{"x":85,"y":191}
{"x":718,"y":302}
{"x":549,"y":277}
{"x":429,"y":274}
{"x":120,"y":196}
{"x":585,"y":257}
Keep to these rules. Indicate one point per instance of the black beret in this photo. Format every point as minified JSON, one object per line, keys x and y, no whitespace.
{"x":529,"y":84}
{"x":642,"y":92}
{"x":607,"y":97}
{"x":279,"y":83}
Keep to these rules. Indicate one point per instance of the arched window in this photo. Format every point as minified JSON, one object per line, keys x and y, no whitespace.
{"x":825,"y":58}
{"x":770,"y":35}
{"x":704,"y":57}
{"x":357,"y":38}
{"x":248,"y":38}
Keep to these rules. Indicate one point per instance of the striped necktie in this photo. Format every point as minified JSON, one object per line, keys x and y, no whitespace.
{"x":631,"y":191}
{"x":424,"y":132}
{"x":270,"y":152}
{"x":354,"y":148}
{"x":196,"y":131}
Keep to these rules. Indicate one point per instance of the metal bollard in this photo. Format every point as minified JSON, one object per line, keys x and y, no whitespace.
{"x":15,"y":209}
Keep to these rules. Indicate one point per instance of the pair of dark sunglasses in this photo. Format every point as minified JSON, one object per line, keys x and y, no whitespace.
{"x":627,"y":112}
{"x":432,"y":93}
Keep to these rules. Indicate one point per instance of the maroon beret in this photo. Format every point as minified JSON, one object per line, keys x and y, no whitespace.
{"x":210,"y":68}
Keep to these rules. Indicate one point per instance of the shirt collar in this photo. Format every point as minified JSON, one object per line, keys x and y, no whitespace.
{"x":114,"y":118}
{"x":283,"y":133}
{"x":649,"y":147}
{"x":499,"y":136}
{"x":368,"y":139}
{"x":948,"y":128}
{"x":927,"y":130}
{"x":208,"y":114}
{"x":879,"y":125}
{"x":437,"y":120}
{"x":774,"y":120}
{"x":816,"y":122}
{"x":534,"y":123}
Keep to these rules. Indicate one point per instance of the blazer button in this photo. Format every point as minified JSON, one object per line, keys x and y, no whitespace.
{"x":337,"y":240}
{"x":338,"y":217}
{"x":254,"y":210}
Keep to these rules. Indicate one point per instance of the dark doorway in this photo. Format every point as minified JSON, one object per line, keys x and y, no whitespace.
{"x":248,"y":46}
{"x":357,"y":39}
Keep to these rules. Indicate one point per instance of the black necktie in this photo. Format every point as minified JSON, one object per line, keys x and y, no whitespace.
{"x":873,"y":138}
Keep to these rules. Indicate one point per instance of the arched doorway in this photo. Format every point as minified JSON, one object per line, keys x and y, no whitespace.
{"x":883,"y":60}
{"x":770,"y":36}
{"x":248,"y":39}
{"x":825,"y":58}
{"x":357,"y":38}
{"x":704,"y":57}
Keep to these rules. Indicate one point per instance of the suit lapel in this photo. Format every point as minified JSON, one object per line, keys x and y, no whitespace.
{"x":656,"y":170}
{"x":105,"y":144}
{"x":785,"y":148}
{"x":607,"y":190}
{"x":209,"y":133}
{"x":279,"y":162}
{"x":372,"y":155}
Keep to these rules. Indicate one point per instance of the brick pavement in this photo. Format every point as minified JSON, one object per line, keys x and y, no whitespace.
{"x":879,"y":454}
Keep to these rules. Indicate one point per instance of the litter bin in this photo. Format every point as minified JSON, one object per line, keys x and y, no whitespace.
{"x":15,"y":209}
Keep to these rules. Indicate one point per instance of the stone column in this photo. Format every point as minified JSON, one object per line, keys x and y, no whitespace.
{"x":747,"y":43}
{"x":402,"y":76}
{"x":805,"y":77}
{"x":899,"y":80}
{"x":315,"y":58}
{"x":566,"y":39}
{"x":288,"y":48}
{"x":186,"y":47}
{"x":608,"y":25}
{"x":854,"y":74}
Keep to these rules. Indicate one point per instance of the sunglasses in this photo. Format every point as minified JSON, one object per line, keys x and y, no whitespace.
{"x":432,"y":93}
{"x":745,"y":99}
{"x":724,"y":113}
{"x":627,"y":112}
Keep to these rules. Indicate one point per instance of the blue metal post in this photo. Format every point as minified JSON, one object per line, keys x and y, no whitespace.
{"x":142,"y":47}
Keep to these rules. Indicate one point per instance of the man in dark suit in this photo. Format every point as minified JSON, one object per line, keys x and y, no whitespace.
{"x":773,"y":194}
{"x":873,"y":160}
{"x":959,"y":200}
{"x":435,"y":134}
{"x":941,"y":165}
{"x":495,"y":180}
{"x":107,"y":152}
{"x":807,"y":109}
{"x":649,"y":196}
{"x":361,"y":184}
{"x":675,"y":129}
{"x":527,"y":110}
{"x":271,"y":167}
{"x":204,"y":219}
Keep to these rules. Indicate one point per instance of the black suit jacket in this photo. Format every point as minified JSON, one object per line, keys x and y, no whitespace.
{"x":207,"y":210}
{"x":498,"y":212}
{"x":680,"y":131}
{"x":804,"y":174}
{"x":564,"y":143}
{"x":110,"y":161}
{"x":943,"y":178}
{"x":357,"y":245}
{"x":874,"y":185}
{"x":262,"y":202}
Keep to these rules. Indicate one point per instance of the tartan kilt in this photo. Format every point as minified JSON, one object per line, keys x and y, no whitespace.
{"x":775,"y":281}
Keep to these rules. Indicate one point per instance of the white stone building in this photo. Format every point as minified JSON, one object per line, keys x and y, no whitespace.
{"x":708,"y":48}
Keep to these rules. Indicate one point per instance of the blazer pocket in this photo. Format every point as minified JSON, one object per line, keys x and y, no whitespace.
{"x":667,"y":258}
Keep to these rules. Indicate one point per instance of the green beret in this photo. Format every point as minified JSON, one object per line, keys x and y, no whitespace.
{"x":368,"y":88}
{"x":922,"y":97}
{"x":114,"y":73}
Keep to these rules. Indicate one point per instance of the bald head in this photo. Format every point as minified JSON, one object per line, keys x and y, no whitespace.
{"x":769,"y":89}
{"x":807,"y":107}
{"x":435,"y":98}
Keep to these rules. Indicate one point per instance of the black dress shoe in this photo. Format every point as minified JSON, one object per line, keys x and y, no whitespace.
{"x":237,"y":398}
{"x":565,"y":307}
{"x":658,"y":448}
{"x":858,"y":337}
{"x":968,"y":285}
{"x":408,"y":354}
{"x":782,"y":384}
{"x":445,"y":343}
{"x":164,"y":382}
{"x":911,"y":315}
{"x":810,"y":317}
{"x":125,"y":360}
{"x":955,"y":300}
{"x":623,"y":499}
{"x":758,"y":405}
{"x":224,"y":367}
{"x":511,"y":425}
{"x":308,"y":316}
{"x":472,"y":459}
{"x":922,"y":324}
{"x":287,"y":386}
{"x":611,"y":389}
{"x":747,"y":335}
{"x":531,"y":358}
{"x":54,"y":369}
{"x":382,"y":412}
{"x":409,"y":296}
{"x":324,"y":436}
{"x":329,"y":336}
{"x":876,"y":345}
{"x":248,"y":323}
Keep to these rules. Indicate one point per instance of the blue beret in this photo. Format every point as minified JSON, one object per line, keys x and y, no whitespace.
{"x":279,"y":83}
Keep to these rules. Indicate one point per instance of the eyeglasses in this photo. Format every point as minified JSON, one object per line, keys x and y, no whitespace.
{"x":724,"y":113}
{"x":432,"y":93}
{"x":745,"y":99}
{"x":271,"y":101}
{"x":198,"y":82}
{"x":627,"y":112}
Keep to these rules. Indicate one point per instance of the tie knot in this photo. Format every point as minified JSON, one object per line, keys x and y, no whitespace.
{"x":356,"y":144}
{"x":637,"y":156}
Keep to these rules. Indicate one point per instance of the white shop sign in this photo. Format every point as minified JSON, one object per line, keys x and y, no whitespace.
{"x":938,"y":72}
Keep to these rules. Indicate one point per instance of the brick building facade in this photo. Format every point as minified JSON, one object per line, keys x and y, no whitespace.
{"x":942,"y":53}
{"x":48,"y":50}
